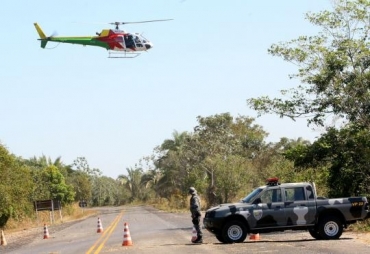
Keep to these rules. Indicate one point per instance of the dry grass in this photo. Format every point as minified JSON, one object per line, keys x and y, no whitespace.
{"x":176,"y":203}
{"x":68,"y":213}
{"x":360,"y":226}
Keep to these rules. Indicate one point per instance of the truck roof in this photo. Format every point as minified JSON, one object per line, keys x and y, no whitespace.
{"x":284,"y":185}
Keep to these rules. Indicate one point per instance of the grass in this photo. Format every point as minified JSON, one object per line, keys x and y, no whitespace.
{"x":69,"y":213}
{"x":360,"y":226}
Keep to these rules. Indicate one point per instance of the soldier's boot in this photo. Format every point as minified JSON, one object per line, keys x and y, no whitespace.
{"x":199,"y":239}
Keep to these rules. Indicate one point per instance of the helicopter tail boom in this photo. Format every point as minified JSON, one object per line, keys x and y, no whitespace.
{"x":43,"y":37}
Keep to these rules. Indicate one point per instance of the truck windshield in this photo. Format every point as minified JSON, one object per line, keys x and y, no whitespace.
{"x":251,"y":195}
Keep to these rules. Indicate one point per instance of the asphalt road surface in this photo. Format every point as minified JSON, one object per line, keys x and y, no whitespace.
{"x":158,"y":232}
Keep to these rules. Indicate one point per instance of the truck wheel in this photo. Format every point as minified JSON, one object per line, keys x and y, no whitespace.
{"x":315,"y":234}
{"x":330,"y":227}
{"x":220,"y":238}
{"x":234,"y":232}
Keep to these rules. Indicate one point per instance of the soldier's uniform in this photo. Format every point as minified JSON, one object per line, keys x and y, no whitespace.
{"x":195,"y":213}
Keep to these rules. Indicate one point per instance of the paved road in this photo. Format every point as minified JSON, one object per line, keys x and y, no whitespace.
{"x":157,"y":232}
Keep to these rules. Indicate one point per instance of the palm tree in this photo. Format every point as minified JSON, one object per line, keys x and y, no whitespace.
{"x":171,"y":165}
{"x":132,"y":181}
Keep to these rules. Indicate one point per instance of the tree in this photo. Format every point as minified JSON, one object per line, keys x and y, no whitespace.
{"x":82,"y":165}
{"x":43,"y":161}
{"x":345,"y":154}
{"x":133,"y":182}
{"x":56,"y":186}
{"x":15,"y":187}
{"x":82,"y":185}
{"x":105,"y":191}
{"x":333,"y":67}
{"x":172,"y":166}
{"x":216,"y":139}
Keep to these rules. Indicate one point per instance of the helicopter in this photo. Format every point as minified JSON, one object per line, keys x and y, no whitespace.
{"x":119,"y":43}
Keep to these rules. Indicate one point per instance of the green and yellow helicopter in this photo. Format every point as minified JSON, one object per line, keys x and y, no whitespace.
{"x":119,"y":43}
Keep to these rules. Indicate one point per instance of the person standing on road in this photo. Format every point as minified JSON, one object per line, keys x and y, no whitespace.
{"x":195,"y":214}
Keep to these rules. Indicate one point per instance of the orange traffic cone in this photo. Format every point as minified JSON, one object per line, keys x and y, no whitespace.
{"x":255,"y":237}
{"x":46,"y":232}
{"x":194,"y":235}
{"x":100,"y":227}
{"x":126,"y":236}
{"x":3,"y":240}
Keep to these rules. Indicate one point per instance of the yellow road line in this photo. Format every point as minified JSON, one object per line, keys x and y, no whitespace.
{"x":105,"y":236}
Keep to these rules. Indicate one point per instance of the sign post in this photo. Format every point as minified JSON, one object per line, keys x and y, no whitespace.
{"x":48,"y":205}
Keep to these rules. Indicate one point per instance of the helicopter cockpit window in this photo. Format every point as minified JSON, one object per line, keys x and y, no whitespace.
{"x":138,"y":42}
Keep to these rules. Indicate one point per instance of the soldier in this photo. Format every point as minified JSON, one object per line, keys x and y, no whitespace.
{"x":195,"y":213}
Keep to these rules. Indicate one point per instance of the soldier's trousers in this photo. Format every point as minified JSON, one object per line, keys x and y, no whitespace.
{"x":196,"y":220}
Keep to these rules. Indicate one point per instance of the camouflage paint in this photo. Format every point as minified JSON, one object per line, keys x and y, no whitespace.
{"x":303,"y":213}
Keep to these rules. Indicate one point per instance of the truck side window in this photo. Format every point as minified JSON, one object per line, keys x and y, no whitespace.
{"x":299,"y":194}
{"x":309,"y":192}
{"x":271,"y":196}
{"x":294,"y":194}
{"x":276,"y":196}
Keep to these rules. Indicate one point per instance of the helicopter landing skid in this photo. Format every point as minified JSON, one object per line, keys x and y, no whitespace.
{"x":124,"y":54}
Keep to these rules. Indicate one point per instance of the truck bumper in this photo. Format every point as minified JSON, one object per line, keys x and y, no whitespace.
{"x":213,"y":225}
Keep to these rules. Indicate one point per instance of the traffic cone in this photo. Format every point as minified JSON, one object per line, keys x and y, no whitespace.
{"x":46,"y":232}
{"x":3,"y":240}
{"x":100,"y":227}
{"x":126,"y":236}
{"x":255,"y":237}
{"x":194,"y":235}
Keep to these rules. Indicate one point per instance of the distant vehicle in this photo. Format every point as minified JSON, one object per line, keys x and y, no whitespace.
{"x":288,"y":206}
{"x":119,"y":43}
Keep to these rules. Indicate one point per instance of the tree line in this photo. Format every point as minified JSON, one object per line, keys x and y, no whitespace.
{"x":23,"y":181}
{"x":224,"y":158}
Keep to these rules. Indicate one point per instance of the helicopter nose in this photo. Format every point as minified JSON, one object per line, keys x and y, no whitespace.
{"x":148,"y":45}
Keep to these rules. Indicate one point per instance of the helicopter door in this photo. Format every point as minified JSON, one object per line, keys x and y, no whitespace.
{"x":120,"y":41}
{"x":129,"y":41}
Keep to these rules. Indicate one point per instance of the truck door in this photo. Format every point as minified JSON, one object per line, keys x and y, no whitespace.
{"x":299,"y":209}
{"x":270,"y":211}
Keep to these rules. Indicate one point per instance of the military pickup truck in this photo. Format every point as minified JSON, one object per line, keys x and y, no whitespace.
{"x":288,"y":206}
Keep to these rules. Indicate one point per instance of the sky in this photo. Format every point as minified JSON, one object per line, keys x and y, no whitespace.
{"x":73,"y":101}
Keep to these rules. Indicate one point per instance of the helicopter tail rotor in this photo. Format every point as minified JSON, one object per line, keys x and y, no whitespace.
{"x":43,"y":38}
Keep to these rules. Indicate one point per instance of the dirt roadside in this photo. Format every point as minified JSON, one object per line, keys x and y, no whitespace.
{"x":15,"y":240}
{"x":359,"y":236}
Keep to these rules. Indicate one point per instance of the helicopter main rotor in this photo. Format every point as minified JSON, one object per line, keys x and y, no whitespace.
{"x":117,"y":24}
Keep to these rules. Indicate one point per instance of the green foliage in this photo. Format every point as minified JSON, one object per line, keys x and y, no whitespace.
{"x":342,"y":156}
{"x":82,"y":185}
{"x":231,"y":175}
{"x":56,"y":186}
{"x":224,"y":158}
{"x":333,"y":67}
{"x":15,"y":188}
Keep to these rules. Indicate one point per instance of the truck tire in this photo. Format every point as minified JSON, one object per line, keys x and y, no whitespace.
{"x":220,"y":238}
{"x":330,"y":227}
{"x":315,"y":234}
{"x":234,"y":232}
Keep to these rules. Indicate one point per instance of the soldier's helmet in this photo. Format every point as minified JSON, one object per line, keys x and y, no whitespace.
{"x":192,"y":190}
